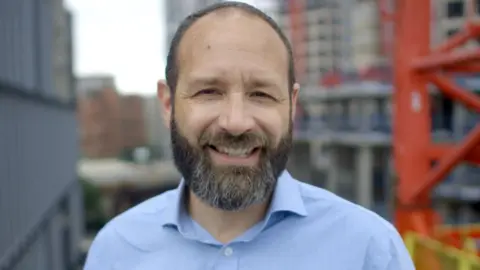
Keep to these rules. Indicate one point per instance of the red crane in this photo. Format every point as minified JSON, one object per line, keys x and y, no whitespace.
{"x":416,"y":64}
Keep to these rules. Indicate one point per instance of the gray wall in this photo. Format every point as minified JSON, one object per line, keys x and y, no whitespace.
{"x":40,"y":199}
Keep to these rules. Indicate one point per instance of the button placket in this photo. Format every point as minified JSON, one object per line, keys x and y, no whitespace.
{"x":228,"y":251}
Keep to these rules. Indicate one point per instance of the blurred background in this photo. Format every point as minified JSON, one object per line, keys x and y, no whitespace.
{"x":81,"y":135}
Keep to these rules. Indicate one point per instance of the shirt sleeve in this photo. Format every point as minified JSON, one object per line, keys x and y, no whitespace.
{"x":99,"y":256}
{"x":400,"y":257}
{"x":400,"y":260}
{"x":387,"y":251}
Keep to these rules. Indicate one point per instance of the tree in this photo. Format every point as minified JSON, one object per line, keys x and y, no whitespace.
{"x":95,"y":217}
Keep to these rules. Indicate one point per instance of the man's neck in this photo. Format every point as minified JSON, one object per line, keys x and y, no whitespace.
{"x":224,"y":226}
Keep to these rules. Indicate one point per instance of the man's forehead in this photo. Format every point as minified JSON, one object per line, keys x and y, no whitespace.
{"x":256,"y":77}
{"x":231,"y":27}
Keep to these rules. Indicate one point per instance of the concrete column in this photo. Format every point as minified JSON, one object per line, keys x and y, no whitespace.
{"x":299,"y":163}
{"x":459,"y":122}
{"x":363,"y":166}
{"x":444,"y":210}
{"x":367,"y":110}
{"x":466,"y":214}
{"x":319,"y":164}
{"x":389,"y":182}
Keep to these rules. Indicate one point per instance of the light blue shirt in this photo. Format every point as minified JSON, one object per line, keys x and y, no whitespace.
{"x":306,"y":228}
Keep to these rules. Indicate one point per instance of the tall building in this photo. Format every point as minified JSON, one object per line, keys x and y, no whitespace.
{"x":367,"y":42}
{"x":133,"y":122}
{"x":99,"y":114}
{"x":40,"y":197}
{"x":176,"y":11}
{"x":320,"y":36}
{"x":110,"y":123}
{"x":158,"y":136}
{"x":62,"y":53}
{"x":448,"y":17}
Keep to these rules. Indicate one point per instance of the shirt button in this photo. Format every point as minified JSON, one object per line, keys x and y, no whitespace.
{"x":228,"y":251}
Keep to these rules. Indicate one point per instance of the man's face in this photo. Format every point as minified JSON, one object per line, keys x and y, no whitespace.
{"x":231,"y":121}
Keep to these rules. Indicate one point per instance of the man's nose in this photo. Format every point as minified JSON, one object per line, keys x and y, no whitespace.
{"x":235,"y":119}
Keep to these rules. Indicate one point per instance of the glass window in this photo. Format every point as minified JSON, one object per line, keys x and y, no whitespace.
{"x":455,"y":9}
{"x":452,"y":32}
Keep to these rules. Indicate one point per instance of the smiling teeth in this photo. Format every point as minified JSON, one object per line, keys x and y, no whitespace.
{"x":235,"y":152}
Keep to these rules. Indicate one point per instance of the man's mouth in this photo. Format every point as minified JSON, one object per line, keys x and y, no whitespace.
{"x":234,"y":152}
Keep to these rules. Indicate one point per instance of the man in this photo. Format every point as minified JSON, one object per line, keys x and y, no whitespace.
{"x":229,"y":101}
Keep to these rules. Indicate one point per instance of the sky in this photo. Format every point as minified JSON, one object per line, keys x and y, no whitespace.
{"x":123,"y":38}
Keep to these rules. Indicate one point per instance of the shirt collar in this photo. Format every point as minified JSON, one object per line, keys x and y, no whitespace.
{"x":287,"y":197}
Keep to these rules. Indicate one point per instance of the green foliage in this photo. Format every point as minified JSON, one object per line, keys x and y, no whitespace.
{"x":92,"y":198}
{"x":126,"y":155}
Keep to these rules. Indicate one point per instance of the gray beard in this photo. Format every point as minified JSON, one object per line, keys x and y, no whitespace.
{"x":232,"y":188}
{"x":229,"y":188}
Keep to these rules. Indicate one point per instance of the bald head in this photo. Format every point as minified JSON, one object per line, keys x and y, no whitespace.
{"x":226,"y":25}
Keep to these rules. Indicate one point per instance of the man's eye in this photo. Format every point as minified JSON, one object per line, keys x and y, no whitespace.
{"x":261,"y":95}
{"x":209,"y":91}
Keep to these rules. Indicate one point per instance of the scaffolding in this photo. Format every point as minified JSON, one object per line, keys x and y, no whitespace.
{"x":421,"y":159}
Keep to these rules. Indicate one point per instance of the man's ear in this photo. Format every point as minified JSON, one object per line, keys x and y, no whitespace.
{"x":295,"y":92}
{"x":164,"y":95}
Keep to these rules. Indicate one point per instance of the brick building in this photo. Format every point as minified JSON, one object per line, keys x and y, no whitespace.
{"x":109,"y":122}
{"x":100,"y":123}
{"x":133,"y":122}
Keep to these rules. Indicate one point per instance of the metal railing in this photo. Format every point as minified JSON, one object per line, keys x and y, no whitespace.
{"x":12,"y":257}
{"x":430,"y":254}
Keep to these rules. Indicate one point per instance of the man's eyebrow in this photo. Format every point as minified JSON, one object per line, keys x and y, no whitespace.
{"x":204,"y":80}
{"x":263,"y":82}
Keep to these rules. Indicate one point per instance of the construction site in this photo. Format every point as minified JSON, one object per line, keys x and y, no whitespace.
{"x":406,"y":141}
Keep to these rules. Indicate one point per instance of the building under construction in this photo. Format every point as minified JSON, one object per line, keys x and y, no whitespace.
{"x":392,"y":136}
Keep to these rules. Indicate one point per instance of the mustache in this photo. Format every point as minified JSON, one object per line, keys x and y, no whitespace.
{"x":244,"y":140}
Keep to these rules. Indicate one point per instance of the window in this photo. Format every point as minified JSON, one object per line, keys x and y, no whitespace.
{"x":452,"y":32}
{"x":455,"y":9}
{"x":311,"y":4}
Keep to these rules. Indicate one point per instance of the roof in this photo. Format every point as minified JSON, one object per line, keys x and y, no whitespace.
{"x":114,"y":172}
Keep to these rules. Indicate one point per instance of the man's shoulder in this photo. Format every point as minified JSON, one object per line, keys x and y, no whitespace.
{"x":319,"y":201}
{"x":143,"y":213}
{"x":381,"y":239}
{"x":325,"y":205}
{"x":136,"y":229}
